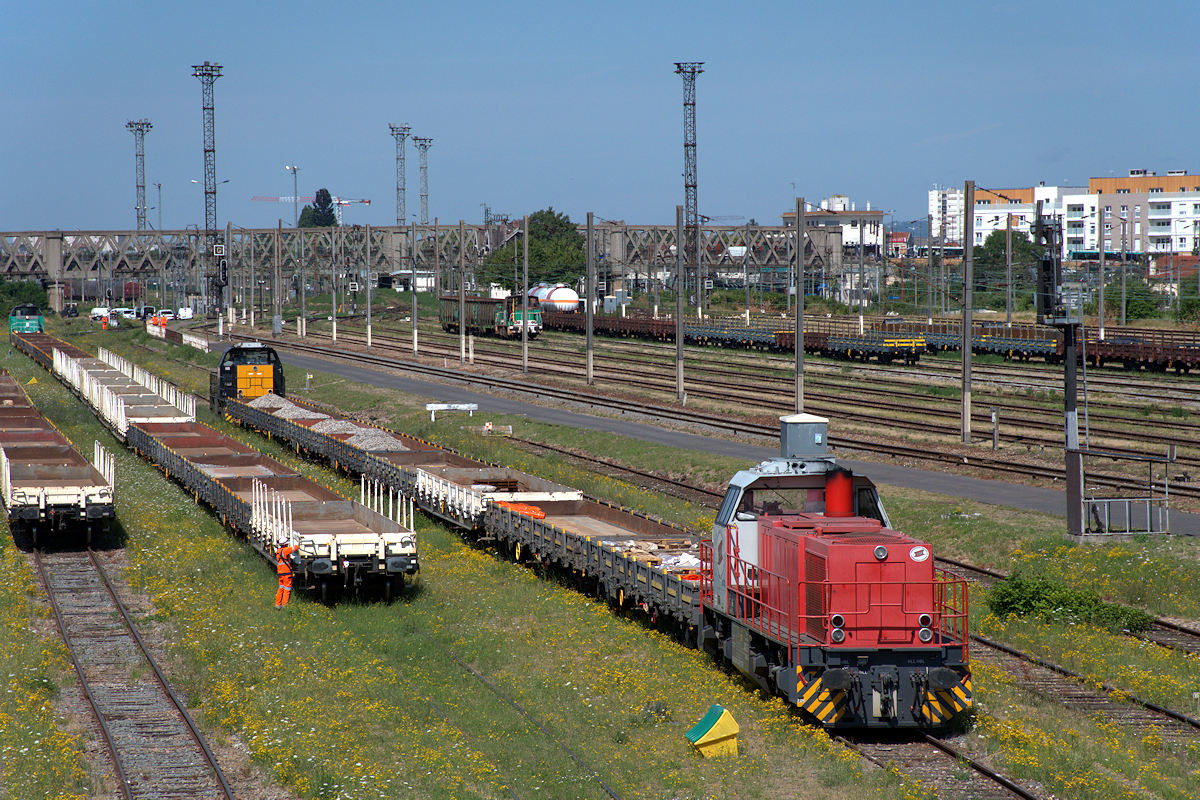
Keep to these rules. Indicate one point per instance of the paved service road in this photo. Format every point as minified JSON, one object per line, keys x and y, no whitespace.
{"x":1049,"y":501}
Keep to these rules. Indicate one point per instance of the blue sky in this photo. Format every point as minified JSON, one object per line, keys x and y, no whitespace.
{"x":576,"y":105}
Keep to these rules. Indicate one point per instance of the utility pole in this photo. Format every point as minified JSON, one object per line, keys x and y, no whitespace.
{"x":1101,"y":213}
{"x":862,"y":293}
{"x":688,"y":70}
{"x":423,"y":143}
{"x":367,"y":229}
{"x":799,"y":304}
{"x":292,"y":168}
{"x":1124,"y":266}
{"x":590,"y":294}
{"x":333,"y":290}
{"x":412,"y":248}
{"x":1008,"y":290}
{"x":400,"y":134}
{"x":525,"y":300}
{"x":158,"y":186}
{"x":462,"y":291}
{"x":140,"y":128}
{"x":929,"y":254}
{"x":968,"y":281}
{"x":679,"y":289}
{"x":208,"y":74}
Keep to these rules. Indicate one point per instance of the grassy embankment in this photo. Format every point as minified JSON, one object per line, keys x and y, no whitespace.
{"x":364,"y":700}
{"x":1009,"y":720}
{"x":39,"y":755}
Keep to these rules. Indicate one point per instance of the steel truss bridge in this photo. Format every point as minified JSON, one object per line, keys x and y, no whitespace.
{"x":83,"y":264}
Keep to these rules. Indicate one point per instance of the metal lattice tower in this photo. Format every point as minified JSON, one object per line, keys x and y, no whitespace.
{"x":423,"y":143}
{"x":688,"y":70}
{"x":139,"y":128}
{"x":400,"y":134}
{"x":208,"y":74}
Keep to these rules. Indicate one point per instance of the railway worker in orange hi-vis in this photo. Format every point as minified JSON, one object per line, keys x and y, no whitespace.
{"x":283,"y":565}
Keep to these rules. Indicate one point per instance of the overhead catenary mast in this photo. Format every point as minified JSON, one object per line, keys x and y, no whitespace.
{"x":140,"y":128}
{"x":208,"y":74}
{"x":400,"y":134}
{"x":423,"y":144}
{"x":688,"y":70}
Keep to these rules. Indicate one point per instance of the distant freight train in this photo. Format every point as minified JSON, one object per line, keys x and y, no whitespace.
{"x":502,"y":316}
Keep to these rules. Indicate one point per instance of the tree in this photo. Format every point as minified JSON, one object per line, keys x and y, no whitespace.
{"x":320,"y":214}
{"x":990,"y":271}
{"x":556,"y":253}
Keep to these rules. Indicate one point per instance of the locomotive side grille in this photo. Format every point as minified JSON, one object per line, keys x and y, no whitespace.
{"x":814,"y":595}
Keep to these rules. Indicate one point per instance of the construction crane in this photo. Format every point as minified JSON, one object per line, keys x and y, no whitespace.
{"x":338,"y":202}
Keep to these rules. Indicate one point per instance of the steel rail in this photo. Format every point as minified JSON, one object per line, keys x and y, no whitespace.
{"x":110,"y":745}
{"x":161,"y":679}
{"x":677,"y":415}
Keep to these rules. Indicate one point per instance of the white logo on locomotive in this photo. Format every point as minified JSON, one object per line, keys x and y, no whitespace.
{"x":919,"y":553}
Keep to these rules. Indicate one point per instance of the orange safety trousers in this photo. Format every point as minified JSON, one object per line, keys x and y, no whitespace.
{"x":284,"y":593}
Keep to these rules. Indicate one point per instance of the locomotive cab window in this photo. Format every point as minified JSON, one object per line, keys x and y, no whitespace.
{"x":777,"y":501}
{"x":728,"y":505}
{"x":868,"y":504}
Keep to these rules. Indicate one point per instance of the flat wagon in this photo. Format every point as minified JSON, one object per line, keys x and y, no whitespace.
{"x":48,"y":487}
{"x":342,"y":545}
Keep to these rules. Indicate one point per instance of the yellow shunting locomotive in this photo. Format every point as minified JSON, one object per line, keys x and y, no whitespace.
{"x":247,"y":371}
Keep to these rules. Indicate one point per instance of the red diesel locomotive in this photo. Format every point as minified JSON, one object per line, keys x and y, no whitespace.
{"x":810,"y":593}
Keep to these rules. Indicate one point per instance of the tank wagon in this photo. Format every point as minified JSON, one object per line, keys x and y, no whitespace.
{"x":26,"y":318}
{"x":48,"y":487}
{"x":801,"y":584}
{"x":499,"y":316}
{"x":342,"y":545}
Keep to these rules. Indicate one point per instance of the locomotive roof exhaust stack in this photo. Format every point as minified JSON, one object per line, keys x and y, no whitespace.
{"x":803,"y":436}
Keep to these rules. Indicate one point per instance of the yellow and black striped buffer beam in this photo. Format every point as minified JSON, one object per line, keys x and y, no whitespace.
{"x":826,"y":706}
{"x":939,"y":707}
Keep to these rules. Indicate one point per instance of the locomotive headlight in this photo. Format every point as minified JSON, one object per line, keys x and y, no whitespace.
{"x":880,"y":552}
{"x":925,"y":635}
{"x":837,"y":635}
{"x":837,"y":621}
{"x":925,"y":621}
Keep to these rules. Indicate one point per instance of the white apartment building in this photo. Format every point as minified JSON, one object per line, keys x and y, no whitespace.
{"x":1140,"y":213}
{"x":946,"y":212}
{"x":993,"y":207}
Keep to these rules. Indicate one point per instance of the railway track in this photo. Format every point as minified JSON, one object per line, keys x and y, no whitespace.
{"x":723,"y":383}
{"x":731,"y":426}
{"x":941,"y":766}
{"x":154,"y":746}
{"x":1028,"y":376}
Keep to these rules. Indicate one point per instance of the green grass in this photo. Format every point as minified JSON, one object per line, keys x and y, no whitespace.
{"x":39,"y":754}
{"x":1162,"y":575}
{"x":362,"y":700}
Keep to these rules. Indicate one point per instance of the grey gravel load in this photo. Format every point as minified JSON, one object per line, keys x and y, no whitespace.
{"x":375,"y":441}
{"x":291,"y":411}
{"x":269,"y":400}
{"x":337,"y":426}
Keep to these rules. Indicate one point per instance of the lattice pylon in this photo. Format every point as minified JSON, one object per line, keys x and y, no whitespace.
{"x":400,"y":134}
{"x":140,"y":128}
{"x":423,"y":144}
{"x":688,"y":70}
